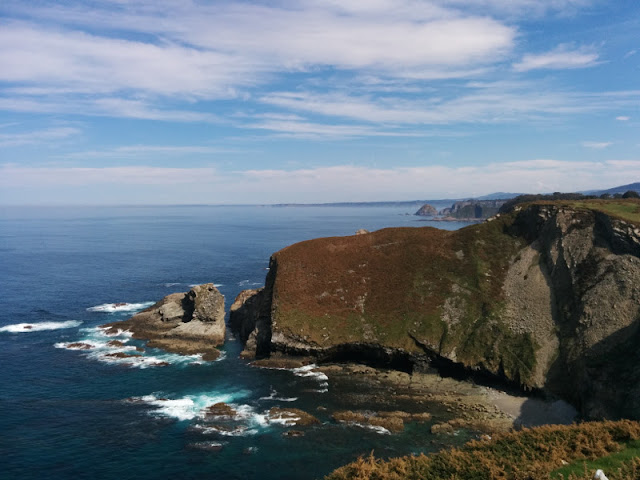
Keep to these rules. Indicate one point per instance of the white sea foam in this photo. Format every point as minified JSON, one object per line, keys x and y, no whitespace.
{"x":185,"y":408}
{"x":119,"y":307}
{"x":274,"y":397}
{"x":103,"y":350}
{"x":375,"y":428}
{"x":38,"y":327}
{"x":308,"y":371}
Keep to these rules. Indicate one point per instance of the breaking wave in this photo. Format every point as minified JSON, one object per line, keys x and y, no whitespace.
{"x":119,"y":307}
{"x":38,"y":327}
{"x":273,"y":396}
{"x":116,"y":349}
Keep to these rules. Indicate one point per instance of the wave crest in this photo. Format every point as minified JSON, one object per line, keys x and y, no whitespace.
{"x":38,"y":327}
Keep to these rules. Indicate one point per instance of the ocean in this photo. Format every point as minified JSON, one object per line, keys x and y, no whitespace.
{"x":71,"y":413}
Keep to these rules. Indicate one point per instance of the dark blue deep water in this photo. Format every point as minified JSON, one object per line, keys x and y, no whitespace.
{"x":79,"y":414}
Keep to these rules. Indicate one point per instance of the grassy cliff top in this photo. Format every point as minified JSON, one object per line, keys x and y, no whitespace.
{"x":404,"y":287}
{"x":624,"y":209}
{"x":552,"y":452}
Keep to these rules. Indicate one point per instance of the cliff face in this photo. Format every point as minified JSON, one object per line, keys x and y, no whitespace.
{"x":185,"y":323}
{"x":473,"y":209}
{"x":547,"y":297}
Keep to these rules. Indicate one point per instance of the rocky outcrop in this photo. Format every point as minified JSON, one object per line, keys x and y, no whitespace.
{"x":546,"y":297}
{"x":427,"y":211}
{"x":473,"y":209}
{"x":185,"y":323}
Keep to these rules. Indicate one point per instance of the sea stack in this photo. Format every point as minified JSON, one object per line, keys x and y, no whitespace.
{"x":427,"y":211}
{"x":185,"y":323}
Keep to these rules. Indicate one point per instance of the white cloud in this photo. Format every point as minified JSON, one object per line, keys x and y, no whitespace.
{"x":209,"y":51}
{"x":152,"y":151}
{"x":623,"y":118}
{"x":35,"y":137}
{"x":495,"y":104}
{"x":562,"y":57}
{"x":596,"y":145}
{"x":103,"y":106}
{"x":89,"y":176}
{"x":324,"y":184}
{"x":522,"y":8}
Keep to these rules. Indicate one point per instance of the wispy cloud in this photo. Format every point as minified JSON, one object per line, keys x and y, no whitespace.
{"x":38,"y":136}
{"x":623,"y":118}
{"x":596,"y":145}
{"x":562,"y":57}
{"x":491,"y":103}
{"x":137,"y":151}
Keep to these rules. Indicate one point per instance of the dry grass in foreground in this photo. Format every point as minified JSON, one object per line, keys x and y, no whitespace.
{"x":528,"y":454}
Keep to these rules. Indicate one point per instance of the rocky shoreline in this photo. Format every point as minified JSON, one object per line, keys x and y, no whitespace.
{"x":539,"y":300}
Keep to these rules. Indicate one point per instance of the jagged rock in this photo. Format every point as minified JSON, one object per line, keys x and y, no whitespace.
{"x":427,"y":211}
{"x":387,"y":421}
{"x":186,"y":323}
{"x":362,"y":231}
{"x":80,"y":346}
{"x":291,"y":417}
{"x":121,"y":355}
{"x":220,"y":410}
{"x":473,"y":209}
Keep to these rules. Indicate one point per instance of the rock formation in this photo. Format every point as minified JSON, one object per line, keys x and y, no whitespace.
{"x":473,"y":209}
{"x":427,"y":211}
{"x":546,"y":297}
{"x":185,"y":323}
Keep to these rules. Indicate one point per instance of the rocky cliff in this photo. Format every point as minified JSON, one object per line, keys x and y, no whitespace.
{"x":547,"y":297}
{"x":427,"y":211}
{"x":473,"y":209}
{"x":186,"y":323}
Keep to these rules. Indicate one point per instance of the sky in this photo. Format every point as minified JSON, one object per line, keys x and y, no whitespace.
{"x":310,"y":101}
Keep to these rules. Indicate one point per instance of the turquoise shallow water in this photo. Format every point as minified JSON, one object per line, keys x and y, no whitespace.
{"x":81,"y":414}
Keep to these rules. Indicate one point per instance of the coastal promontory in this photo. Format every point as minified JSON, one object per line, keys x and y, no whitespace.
{"x":545,"y":296}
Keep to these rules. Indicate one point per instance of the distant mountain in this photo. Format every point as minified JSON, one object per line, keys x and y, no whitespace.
{"x":612,"y":191}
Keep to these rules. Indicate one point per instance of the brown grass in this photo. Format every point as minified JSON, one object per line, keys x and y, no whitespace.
{"x":389,"y":287}
{"x":528,"y":454}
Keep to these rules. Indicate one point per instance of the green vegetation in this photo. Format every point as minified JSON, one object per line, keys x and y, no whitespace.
{"x":627,"y":209}
{"x":443,"y":289}
{"x":528,"y":454}
{"x":609,"y":463}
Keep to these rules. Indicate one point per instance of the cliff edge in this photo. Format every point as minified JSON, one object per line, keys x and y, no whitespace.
{"x":546,"y":296}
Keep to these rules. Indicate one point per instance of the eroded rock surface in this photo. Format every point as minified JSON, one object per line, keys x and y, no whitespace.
{"x":185,"y":323}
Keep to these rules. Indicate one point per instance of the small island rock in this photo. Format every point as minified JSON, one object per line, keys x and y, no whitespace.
{"x":427,"y":211}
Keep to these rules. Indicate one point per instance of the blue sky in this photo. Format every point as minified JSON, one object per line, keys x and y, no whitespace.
{"x":157,"y":102}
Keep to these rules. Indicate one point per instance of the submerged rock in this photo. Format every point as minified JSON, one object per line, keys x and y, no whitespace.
{"x":291,"y":417}
{"x":220,"y":410}
{"x":391,"y":421}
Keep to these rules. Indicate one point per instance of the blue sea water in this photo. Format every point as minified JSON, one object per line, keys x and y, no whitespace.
{"x":68,"y":413}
